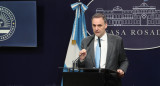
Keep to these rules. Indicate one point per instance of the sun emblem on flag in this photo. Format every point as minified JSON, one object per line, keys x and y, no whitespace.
{"x":7,"y":23}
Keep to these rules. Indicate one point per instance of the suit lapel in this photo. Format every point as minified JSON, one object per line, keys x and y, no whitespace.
{"x":109,"y":50}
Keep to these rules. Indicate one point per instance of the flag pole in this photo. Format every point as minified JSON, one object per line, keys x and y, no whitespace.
{"x":90,"y":3}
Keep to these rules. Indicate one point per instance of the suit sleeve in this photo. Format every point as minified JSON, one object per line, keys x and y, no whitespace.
{"x":123,"y":61}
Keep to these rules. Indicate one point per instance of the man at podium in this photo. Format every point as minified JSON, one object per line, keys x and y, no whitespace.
{"x":103,"y":50}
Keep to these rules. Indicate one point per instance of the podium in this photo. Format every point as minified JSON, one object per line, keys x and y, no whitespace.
{"x":89,"y":77}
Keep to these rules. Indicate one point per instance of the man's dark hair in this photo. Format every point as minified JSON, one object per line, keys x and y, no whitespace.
{"x":100,"y":15}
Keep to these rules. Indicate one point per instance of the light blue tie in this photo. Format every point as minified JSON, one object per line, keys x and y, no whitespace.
{"x":97,"y":55}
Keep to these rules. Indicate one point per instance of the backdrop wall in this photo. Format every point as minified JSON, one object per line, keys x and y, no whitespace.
{"x":39,"y":66}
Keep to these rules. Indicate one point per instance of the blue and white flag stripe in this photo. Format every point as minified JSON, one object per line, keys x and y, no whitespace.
{"x":79,"y":26}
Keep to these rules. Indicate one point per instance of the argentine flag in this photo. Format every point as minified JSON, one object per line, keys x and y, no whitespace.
{"x":78,"y":33}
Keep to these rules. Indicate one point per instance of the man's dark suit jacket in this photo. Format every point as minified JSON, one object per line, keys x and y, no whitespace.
{"x":116,"y":57}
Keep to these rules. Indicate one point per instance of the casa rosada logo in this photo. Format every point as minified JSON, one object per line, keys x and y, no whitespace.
{"x":139,"y":27}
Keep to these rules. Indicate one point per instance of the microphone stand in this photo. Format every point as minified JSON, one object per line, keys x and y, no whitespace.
{"x":75,"y":63}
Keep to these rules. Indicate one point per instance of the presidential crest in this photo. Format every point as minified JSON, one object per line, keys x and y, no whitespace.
{"x":7,"y":23}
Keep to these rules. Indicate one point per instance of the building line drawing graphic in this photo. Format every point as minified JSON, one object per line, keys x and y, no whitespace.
{"x":142,"y":15}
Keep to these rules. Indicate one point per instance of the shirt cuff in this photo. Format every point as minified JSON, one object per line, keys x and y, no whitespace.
{"x":81,"y":60}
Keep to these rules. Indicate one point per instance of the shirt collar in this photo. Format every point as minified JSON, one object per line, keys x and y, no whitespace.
{"x":104,"y":37}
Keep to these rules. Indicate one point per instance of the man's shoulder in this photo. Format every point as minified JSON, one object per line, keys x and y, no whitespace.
{"x":88,"y":38}
{"x":114,"y":36}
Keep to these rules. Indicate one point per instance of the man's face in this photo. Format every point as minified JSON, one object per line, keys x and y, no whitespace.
{"x":99,"y":26}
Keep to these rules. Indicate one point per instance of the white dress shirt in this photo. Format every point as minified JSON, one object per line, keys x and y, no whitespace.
{"x":104,"y":46}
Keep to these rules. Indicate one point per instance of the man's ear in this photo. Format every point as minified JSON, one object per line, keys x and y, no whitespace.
{"x":106,"y":26}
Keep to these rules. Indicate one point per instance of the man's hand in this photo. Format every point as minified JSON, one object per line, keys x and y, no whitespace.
{"x":120,"y":73}
{"x":82,"y":54}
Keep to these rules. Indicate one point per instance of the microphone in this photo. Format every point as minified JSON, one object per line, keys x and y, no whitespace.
{"x":99,"y":42}
{"x":100,"y":54}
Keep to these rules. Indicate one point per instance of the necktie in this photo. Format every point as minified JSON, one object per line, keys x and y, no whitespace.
{"x":97,"y":55}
